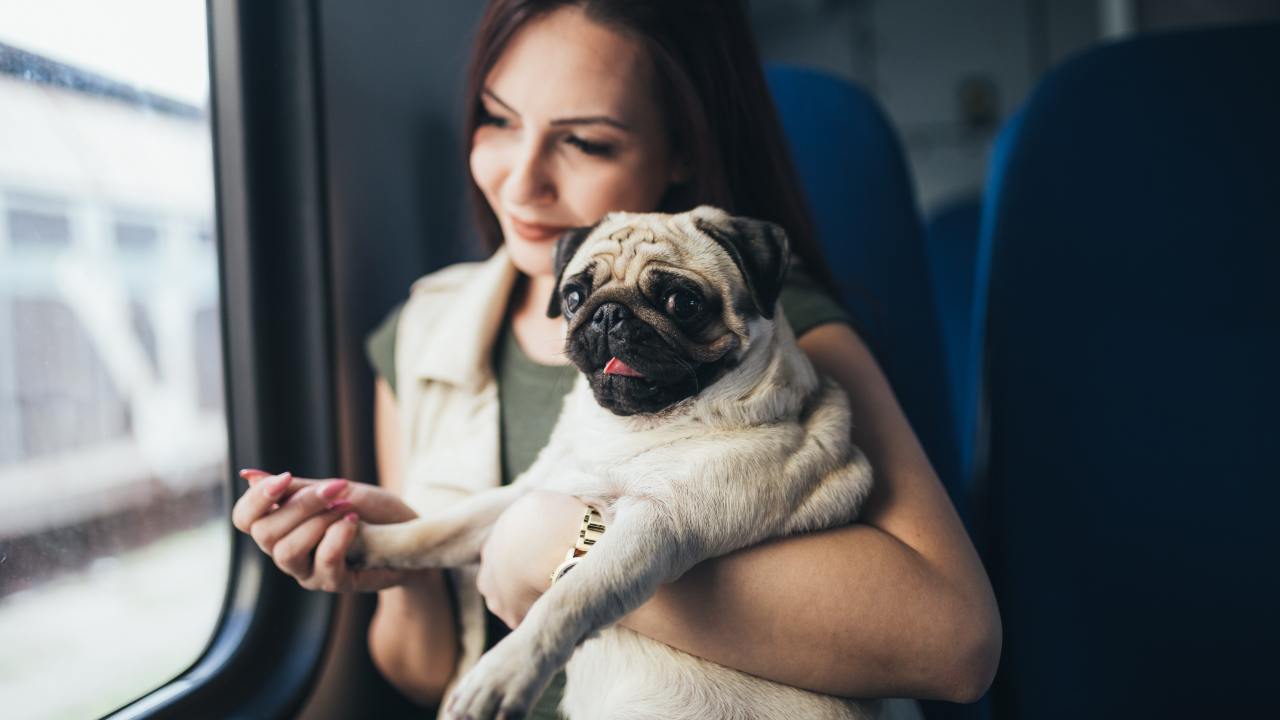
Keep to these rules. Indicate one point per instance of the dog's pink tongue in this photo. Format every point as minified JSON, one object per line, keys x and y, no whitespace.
{"x":617,"y":367}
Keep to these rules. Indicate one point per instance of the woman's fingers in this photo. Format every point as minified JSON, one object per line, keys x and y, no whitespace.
{"x":269,"y":529}
{"x":293,"y":552}
{"x":306,"y":526}
{"x":378,"y":506}
{"x":253,"y":476}
{"x":257,"y":501}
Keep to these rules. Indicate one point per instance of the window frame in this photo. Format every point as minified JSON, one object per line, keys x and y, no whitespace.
{"x":276,"y":321}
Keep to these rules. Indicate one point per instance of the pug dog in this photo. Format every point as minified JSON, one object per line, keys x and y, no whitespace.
{"x":697,"y":427}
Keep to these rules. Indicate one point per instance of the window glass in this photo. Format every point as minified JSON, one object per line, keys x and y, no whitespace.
{"x":114,"y":543}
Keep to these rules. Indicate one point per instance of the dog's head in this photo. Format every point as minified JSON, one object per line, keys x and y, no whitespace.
{"x":661,"y":306}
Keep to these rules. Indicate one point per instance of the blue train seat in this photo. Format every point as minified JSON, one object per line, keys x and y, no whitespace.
{"x":1133,"y":383}
{"x":860,"y":192}
{"x":951,"y":241}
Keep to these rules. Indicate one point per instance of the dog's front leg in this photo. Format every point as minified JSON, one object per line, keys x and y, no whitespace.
{"x":450,"y":539}
{"x":454,"y":536}
{"x":639,"y":551}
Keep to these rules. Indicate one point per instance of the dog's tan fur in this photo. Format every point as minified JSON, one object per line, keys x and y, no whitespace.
{"x":761,"y":452}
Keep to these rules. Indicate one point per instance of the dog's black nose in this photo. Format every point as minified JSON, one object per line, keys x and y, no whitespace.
{"x":609,"y":315}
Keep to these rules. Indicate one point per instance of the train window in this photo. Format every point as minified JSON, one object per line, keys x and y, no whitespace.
{"x":114,"y":545}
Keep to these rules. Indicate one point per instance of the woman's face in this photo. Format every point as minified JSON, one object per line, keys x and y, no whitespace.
{"x":571,"y":130}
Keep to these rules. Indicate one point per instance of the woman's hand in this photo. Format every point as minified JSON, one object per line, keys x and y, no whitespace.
{"x":528,"y":541}
{"x":306,"y":527}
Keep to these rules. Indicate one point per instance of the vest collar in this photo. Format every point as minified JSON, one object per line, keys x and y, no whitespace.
{"x":466,"y":332}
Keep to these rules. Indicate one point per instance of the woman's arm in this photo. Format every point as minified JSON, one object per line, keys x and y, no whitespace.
{"x":897,"y":605}
{"x":412,"y":638}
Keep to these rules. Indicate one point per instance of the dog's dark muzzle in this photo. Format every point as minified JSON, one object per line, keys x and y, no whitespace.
{"x":612,"y":330}
{"x":610,"y":316}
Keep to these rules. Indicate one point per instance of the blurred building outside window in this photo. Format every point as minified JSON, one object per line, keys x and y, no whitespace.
{"x":114,"y":540}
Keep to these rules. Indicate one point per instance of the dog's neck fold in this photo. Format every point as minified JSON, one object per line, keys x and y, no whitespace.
{"x":774,"y":380}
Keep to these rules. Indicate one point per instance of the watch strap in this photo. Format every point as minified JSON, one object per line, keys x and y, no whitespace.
{"x":588,"y":534}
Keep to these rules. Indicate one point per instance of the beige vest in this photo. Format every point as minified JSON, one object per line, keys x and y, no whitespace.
{"x":448,"y":404}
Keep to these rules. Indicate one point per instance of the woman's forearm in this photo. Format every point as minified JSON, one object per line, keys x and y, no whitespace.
{"x":851,"y":612}
{"x":412,"y":637}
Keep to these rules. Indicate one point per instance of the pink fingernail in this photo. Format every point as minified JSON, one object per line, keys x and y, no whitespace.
{"x":342,"y":504}
{"x":333,"y":489}
{"x":276,"y":485}
{"x":351,"y":517}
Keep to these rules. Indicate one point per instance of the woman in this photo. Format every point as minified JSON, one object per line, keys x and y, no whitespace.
{"x":582,"y":107}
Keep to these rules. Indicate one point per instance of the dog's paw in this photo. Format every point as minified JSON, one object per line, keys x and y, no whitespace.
{"x":357,"y":552}
{"x":504,"y":684}
{"x":381,"y":546}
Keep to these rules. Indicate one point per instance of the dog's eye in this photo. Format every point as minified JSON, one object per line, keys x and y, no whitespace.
{"x":572,"y":300}
{"x":683,"y":305}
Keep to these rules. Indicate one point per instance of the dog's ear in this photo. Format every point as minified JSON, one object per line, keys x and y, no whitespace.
{"x":759,"y":248}
{"x":566,"y":247}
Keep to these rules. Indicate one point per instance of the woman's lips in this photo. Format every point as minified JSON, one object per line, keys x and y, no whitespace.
{"x":535,"y":231}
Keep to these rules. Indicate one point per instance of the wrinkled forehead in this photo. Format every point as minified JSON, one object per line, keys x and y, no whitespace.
{"x":625,"y":246}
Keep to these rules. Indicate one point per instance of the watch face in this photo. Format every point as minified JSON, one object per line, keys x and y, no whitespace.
{"x":592,"y":528}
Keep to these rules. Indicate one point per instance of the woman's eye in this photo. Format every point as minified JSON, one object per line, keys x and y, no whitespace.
{"x":572,"y":300}
{"x":488,"y":118}
{"x":683,"y":305}
{"x":590,"y":148}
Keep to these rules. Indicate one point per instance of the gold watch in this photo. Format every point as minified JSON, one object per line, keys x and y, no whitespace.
{"x":591,"y":530}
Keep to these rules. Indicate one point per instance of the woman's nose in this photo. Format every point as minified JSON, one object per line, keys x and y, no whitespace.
{"x":529,"y":181}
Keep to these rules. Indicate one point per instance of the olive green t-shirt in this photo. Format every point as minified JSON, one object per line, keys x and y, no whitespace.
{"x":530,"y":397}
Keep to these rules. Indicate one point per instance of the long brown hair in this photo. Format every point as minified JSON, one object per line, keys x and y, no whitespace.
{"x":718,"y":109}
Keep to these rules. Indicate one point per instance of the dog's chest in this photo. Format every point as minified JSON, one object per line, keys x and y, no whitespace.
{"x":610,"y":467}
{"x":609,"y":457}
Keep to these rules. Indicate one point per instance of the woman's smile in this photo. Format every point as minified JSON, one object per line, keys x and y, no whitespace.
{"x":536,"y":232}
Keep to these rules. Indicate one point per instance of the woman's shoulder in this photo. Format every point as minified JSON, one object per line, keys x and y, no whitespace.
{"x":426,"y":295}
{"x":444,"y":281}
{"x":807,"y":304}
